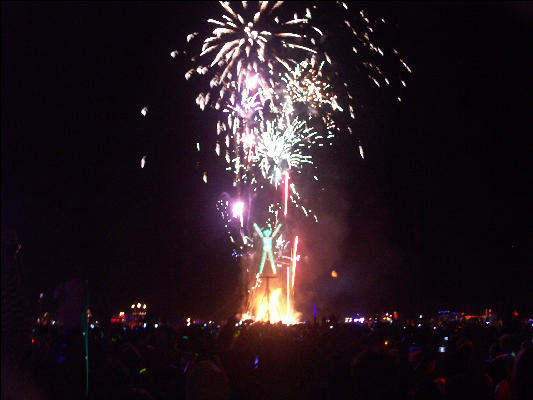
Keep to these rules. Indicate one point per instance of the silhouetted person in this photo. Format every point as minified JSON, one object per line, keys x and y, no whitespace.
{"x":522,"y":382}
{"x":376,"y":376}
{"x":464,"y":376}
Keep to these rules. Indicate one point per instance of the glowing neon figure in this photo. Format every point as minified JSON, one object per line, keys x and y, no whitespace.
{"x":267,"y":235}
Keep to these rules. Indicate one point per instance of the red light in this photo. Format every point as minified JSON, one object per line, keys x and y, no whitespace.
{"x":395,"y":315}
{"x":515,"y":313}
{"x":386,"y":342}
{"x":32,"y":340}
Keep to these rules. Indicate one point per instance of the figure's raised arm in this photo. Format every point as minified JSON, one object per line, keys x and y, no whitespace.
{"x":276,"y":230}
{"x":258,"y":230}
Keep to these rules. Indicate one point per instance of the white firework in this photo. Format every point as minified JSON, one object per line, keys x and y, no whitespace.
{"x":281,"y":145}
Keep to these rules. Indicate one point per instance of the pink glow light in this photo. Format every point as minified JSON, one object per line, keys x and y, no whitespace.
{"x":238,"y":209}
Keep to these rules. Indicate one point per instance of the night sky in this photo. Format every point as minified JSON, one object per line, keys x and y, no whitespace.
{"x":437,"y":216}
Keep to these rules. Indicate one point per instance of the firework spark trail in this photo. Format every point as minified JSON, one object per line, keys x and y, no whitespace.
{"x":288,"y":292}
{"x":286,"y":192}
{"x":294,"y":259}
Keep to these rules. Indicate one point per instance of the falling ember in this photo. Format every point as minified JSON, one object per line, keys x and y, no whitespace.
{"x":334,"y":274}
{"x":144,"y":111}
{"x":143,"y":161}
{"x":205,"y":177}
{"x":361,"y":152}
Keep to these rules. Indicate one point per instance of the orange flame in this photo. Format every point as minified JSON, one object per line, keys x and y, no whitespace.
{"x":276,"y":307}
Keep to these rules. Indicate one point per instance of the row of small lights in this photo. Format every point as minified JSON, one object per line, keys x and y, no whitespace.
{"x":156,"y":325}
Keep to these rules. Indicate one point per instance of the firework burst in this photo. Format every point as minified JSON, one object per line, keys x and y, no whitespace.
{"x":280,"y":92}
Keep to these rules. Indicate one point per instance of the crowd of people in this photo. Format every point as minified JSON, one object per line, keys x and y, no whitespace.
{"x":324,"y":360}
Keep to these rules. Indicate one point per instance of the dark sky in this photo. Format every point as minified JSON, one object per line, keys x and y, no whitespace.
{"x":437,"y":216}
